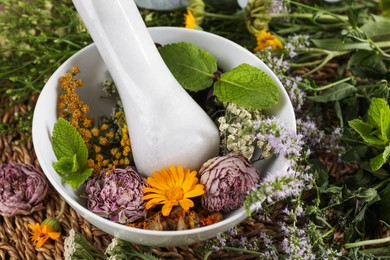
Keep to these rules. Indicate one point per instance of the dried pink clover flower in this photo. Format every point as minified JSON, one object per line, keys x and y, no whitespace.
{"x":116,"y":195}
{"x":22,"y":189}
{"x":227,"y":180}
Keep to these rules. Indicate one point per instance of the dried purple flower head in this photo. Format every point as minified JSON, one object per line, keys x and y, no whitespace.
{"x":227,"y":180}
{"x":116,"y":195}
{"x":22,"y":189}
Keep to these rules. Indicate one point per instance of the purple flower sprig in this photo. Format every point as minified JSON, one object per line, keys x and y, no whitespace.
{"x":278,"y":186}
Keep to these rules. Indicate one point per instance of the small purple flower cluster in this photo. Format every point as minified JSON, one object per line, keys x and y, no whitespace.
{"x":296,"y":43}
{"x":277,"y":186}
{"x":275,"y":138}
{"x":282,"y":66}
{"x":316,"y":139}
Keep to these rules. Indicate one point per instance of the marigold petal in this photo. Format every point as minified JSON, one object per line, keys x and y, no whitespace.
{"x":166,"y":209}
{"x":54,"y":235}
{"x":168,"y":178}
{"x":153,"y":190}
{"x":180,"y":175}
{"x":34,"y":228}
{"x":153,"y":202}
{"x":174,"y":175}
{"x":153,"y":196}
{"x":197,"y":191}
{"x":186,"y":204}
{"x":188,"y":181}
{"x":42,"y":241}
{"x":155,"y":182}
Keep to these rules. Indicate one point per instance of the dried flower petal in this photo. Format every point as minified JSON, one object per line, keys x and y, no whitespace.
{"x":227,"y":181}
{"x":116,"y":195}
{"x":22,"y":189}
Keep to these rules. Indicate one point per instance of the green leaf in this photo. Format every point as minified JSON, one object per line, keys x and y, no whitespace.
{"x":375,"y":111}
{"x":247,"y":86}
{"x":367,"y":63}
{"x":71,"y":152}
{"x":336,"y":93}
{"x":75,"y":179}
{"x":377,"y":162}
{"x":192,"y":67}
{"x":65,"y":165}
{"x":365,"y":130}
{"x":340,"y":45}
{"x":385,"y":123}
{"x":67,"y":142}
{"x":378,"y":28}
{"x":361,"y":127}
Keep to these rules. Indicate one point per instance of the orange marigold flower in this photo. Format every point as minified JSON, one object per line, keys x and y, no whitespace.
{"x":40,"y":233}
{"x":171,"y":187}
{"x":189,"y":20}
{"x":266,"y":39}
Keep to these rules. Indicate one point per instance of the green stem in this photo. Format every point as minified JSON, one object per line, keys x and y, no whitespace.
{"x":331,"y":84}
{"x":222,"y":16}
{"x":368,"y":242}
{"x":330,"y":56}
{"x":304,"y":64}
{"x":63,"y":204}
{"x":340,"y":18}
{"x":206,"y":256}
{"x":324,"y":17}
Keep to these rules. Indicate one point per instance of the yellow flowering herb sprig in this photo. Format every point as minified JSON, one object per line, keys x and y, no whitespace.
{"x":108,"y":143}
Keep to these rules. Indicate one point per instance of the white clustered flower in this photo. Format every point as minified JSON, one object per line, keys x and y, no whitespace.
{"x":69,"y":245}
{"x":241,"y":130}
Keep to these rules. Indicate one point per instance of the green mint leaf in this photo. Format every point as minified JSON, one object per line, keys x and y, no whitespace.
{"x":385,"y":123}
{"x":377,"y":162}
{"x":247,"y":86}
{"x":361,"y":127}
{"x":339,"y":92}
{"x":192,"y":67}
{"x":75,"y":179}
{"x":366,"y":131}
{"x":65,"y":165}
{"x":375,"y":111}
{"x":67,"y":142}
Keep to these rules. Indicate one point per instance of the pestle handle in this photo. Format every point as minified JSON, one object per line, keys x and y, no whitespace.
{"x":166,"y":126}
{"x":124,"y":43}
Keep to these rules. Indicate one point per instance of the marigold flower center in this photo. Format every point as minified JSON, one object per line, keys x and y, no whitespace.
{"x":175,"y":193}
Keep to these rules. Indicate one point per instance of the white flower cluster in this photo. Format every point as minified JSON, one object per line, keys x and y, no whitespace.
{"x":242,"y":131}
{"x":237,"y":130}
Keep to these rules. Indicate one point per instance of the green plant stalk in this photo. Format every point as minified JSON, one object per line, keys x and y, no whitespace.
{"x":323,"y":17}
{"x":367,"y":242}
{"x":340,"y":18}
{"x":328,"y":86}
{"x":222,"y":16}
{"x":63,"y":204}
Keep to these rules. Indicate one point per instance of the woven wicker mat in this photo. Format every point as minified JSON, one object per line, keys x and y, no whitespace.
{"x":14,"y":236}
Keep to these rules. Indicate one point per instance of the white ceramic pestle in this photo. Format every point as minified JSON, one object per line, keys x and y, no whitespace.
{"x":166,"y":126}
